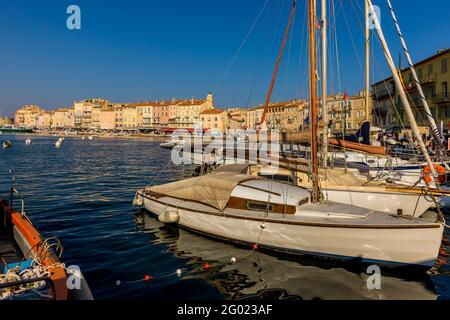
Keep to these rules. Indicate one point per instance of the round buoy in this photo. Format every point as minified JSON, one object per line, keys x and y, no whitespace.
{"x":169,"y":217}
{"x":7,"y":144}
{"x":233,"y":260}
{"x":137,"y":201}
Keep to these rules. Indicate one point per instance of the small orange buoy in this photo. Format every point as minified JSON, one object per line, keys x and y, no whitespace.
{"x":255,"y":246}
{"x":442,"y":174}
{"x":147,"y":278}
{"x":206,"y":266}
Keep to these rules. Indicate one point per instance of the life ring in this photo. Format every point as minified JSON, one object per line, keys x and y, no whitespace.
{"x":442,"y":174}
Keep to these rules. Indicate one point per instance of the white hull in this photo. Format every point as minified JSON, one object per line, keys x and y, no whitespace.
{"x":412,"y":246}
{"x":404,"y":177}
{"x":410,"y":204}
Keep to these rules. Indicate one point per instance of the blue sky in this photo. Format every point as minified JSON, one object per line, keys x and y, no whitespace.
{"x":139,"y":50}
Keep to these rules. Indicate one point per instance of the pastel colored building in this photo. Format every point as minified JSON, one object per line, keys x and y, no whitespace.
{"x":107,"y":119}
{"x":44,"y":120}
{"x":63,"y":118}
{"x":434,"y":76}
{"x":346,"y":116}
{"x":215,"y":120}
{"x":27,"y":116}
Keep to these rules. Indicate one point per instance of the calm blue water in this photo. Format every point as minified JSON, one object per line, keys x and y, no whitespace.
{"x":82,"y":194}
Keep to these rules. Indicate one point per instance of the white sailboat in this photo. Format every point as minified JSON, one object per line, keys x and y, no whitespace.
{"x":282,"y":217}
{"x":238,"y":207}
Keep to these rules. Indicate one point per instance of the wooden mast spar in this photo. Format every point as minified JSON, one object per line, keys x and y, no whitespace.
{"x":313,"y":101}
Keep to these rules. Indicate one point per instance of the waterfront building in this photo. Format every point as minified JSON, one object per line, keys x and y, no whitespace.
{"x":285,"y":116}
{"x":44,"y":120}
{"x":237,"y":118}
{"x":63,"y":118}
{"x":347,"y":115}
{"x":87,"y":113}
{"x":146,"y":110}
{"x":434,"y":76}
{"x":107,"y":119}
{"x":187,"y":112}
{"x":214,"y":120}
{"x":253,"y":117}
{"x":163,"y":112}
{"x":131,"y":117}
{"x":5,"y":121}
{"x":27,"y":116}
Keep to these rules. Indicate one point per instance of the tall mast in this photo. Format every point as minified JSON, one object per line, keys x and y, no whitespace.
{"x":324,"y":82}
{"x":313,"y":99}
{"x":401,"y":91}
{"x":367,"y":94}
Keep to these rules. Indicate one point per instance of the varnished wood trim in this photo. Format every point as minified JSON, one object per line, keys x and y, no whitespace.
{"x":242,"y":204}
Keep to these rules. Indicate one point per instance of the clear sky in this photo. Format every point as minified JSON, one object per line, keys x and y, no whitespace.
{"x":155,"y":49}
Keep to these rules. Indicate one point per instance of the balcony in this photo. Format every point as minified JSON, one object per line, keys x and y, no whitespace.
{"x":384,"y":93}
{"x":442,"y":97}
{"x":427,"y":79}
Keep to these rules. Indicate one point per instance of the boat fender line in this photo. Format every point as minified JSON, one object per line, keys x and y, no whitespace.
{"x":169,"y":217}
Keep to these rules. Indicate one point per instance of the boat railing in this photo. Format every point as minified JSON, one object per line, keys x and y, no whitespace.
{"x":11,"y":198}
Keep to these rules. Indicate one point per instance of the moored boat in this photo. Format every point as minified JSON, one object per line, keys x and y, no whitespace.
{"x":282,"y":217}
{"x":30,"y":266}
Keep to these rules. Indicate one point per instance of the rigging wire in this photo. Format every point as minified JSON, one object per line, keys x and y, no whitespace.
{"x":241,"y":46}
{"x":269,"y":94}
{"x":269,"y":44}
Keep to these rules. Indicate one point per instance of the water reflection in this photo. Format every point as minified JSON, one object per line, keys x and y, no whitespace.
{"x":262,"y":275}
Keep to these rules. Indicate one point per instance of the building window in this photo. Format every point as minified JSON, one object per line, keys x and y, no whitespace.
{"x":419,"y":72}
{"x":445,"y":90}
{"x":430,"y":69}
{"x":444,"y":65}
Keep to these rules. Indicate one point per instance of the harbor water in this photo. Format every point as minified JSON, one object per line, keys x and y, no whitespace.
{"x":82,"y":194}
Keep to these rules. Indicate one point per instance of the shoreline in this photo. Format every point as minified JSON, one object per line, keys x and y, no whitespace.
{"x":101,"y":136}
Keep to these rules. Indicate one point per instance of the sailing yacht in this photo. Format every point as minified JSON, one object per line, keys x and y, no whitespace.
{"x":238,"y":207}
